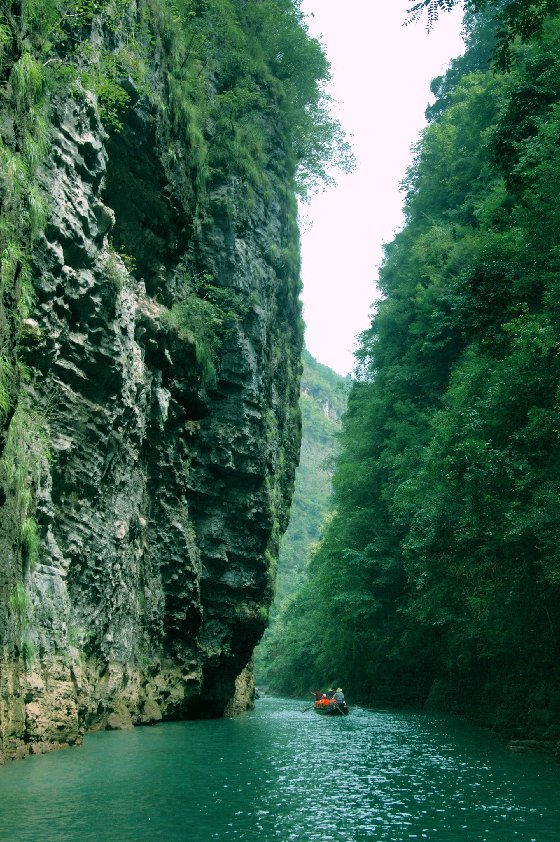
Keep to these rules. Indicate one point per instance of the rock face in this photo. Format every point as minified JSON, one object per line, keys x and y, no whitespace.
{"x":160,"y":490}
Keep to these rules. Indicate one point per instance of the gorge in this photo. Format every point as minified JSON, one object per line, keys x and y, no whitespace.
{"x":151,"y":157}
{"x":150,"y":342}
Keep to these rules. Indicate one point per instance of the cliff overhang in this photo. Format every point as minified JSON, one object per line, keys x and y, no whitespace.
{"x":149,"y":448}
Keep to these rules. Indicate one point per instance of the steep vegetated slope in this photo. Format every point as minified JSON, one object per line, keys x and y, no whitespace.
{"x":323,"y":398}
{"x":150,"y":339}
{"x":440,"y":573}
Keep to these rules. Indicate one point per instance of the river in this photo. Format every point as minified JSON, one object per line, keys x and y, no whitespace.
{"x":283,"y":774}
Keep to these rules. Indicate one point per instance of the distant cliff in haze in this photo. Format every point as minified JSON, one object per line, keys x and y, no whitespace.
{"x":323,"y":398}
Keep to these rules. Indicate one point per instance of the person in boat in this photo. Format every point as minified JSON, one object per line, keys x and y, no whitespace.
{"x":330,"y":693}
{"x":338,"y":697}
{"x":318,"y":694}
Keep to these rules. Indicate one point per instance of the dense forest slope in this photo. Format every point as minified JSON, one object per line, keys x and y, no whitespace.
{"x":150,"y":341}
{"x":323,"y":398}
{"x":440,"y":569}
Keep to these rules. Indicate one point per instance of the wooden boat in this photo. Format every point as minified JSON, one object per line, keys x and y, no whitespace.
{"x":328,"y":707}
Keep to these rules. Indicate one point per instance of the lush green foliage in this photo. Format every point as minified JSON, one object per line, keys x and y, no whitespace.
{"x":232,"y":62}
{"x":228,"y":64}
{"x":439,"y":574}
{"x":323,"y":401}
{"x":23,"y":111}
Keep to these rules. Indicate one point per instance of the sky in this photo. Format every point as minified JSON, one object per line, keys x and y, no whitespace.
{"x":381,"y":82}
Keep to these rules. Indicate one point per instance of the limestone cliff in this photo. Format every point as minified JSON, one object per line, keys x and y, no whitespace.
{"x":151,"y":424}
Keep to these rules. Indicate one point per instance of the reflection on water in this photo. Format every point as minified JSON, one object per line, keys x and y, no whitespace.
{"x":283,"y":774}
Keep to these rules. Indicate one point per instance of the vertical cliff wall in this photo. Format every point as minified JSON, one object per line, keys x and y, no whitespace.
{"x":151,"y":424}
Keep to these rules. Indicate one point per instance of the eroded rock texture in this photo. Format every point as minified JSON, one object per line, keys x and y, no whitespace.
{"x":161,"y":493}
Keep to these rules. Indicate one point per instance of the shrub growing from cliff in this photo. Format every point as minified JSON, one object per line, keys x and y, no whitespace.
{"x":204,"y":314}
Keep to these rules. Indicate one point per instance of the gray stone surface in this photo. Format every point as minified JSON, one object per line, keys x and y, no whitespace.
{"x":163,"y":498}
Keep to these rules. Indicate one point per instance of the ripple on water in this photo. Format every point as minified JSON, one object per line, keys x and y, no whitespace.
{"x":286,"y":775}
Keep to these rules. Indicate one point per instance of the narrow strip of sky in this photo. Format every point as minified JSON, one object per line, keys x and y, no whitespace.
{"x":381,"y":81}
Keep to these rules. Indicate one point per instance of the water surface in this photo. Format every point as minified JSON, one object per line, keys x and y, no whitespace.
{"x":283,"y":774}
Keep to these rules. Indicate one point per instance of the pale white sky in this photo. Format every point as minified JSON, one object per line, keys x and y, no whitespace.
{"x":381,"y":80}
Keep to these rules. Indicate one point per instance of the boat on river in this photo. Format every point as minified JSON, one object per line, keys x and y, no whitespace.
{"x":329,"y":707}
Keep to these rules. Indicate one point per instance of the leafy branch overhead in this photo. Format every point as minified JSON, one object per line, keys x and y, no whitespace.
{"x":516,"y":18}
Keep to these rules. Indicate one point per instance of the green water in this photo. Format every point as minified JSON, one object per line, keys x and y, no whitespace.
{"x":285,"y":775}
